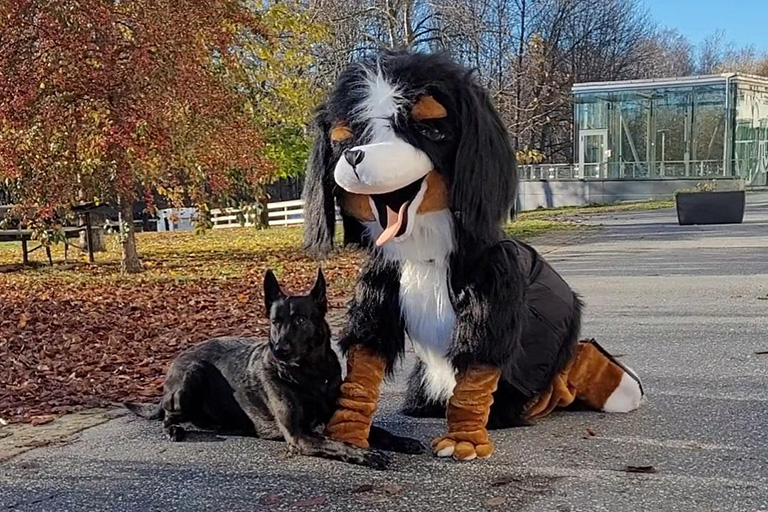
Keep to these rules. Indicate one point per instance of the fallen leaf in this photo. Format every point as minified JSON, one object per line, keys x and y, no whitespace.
{"x":86,"y":336}
{"x":39,"y":443}
{"x":41,"y":420}
{"x":363,"y":488}
{"x":497,"y":501}
{"x":271,"y":499}
{"x":312,"y":502}
{"x":503,"y":480}
{"x":391,"y":488}
{"x":640,"y":469}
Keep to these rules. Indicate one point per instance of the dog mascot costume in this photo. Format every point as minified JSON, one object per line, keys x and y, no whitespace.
{"x":417,"y":158}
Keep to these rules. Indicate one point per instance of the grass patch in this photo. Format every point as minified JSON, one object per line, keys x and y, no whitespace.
{"x":215,"y":254}
{"x":633,"y":206}
{"x":525,"y":228}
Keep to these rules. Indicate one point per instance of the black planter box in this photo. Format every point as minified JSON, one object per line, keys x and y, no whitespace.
{"x":710,"y":207}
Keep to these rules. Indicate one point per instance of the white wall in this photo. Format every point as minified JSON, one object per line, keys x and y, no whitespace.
{"x":553,"y":194}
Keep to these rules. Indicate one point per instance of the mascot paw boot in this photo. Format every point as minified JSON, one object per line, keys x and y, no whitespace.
{"x":359,"y":395}
{"x":467,"y":414}
{"x":593,"y":377}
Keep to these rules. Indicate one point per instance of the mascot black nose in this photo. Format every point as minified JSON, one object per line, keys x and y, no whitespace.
{"x":354,"y":156}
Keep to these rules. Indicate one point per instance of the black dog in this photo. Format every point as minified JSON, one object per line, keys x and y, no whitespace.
{"x":282,"y":389}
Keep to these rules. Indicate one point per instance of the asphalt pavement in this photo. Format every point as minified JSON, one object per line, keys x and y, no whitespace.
{"x":685,"y":307}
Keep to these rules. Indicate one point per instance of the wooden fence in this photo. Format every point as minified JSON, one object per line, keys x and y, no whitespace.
{"x":281,"y":213}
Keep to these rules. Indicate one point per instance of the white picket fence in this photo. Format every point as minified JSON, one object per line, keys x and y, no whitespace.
{"x":281,"y":213}
{"x":284,"y":213}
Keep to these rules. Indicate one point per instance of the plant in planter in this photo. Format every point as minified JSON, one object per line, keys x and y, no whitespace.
{"x":706,"y":205}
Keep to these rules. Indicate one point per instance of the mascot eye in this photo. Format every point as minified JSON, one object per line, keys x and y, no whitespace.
{"x":430,"y":132}
{"x":340,"y":132}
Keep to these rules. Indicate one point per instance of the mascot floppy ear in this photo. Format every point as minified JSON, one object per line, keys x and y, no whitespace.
{"x":319,"y":204}
{"x":484,"y":182}
{"x":319,"y":196}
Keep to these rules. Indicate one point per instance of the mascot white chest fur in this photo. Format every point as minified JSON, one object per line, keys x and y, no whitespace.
{"x":425,"y":297}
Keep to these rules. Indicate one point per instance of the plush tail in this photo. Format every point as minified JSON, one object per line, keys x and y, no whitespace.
{"x":147,"y":411}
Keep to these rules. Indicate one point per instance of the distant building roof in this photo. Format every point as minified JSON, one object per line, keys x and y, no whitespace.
{"x":682,"y":81}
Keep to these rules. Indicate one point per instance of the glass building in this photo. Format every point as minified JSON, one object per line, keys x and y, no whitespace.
{"x":713,"y":126}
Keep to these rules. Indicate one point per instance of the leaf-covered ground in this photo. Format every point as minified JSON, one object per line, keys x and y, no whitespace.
{"x":77,"y":335}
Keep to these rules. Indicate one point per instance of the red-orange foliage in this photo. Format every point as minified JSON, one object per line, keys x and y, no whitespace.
{"x":112,"y":98}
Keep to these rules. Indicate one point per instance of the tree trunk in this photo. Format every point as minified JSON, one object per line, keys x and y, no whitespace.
{"x":130,"y":263}
{"x":263,"y":220}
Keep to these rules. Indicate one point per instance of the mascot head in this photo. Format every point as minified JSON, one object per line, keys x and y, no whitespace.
{"x":399,"y":139}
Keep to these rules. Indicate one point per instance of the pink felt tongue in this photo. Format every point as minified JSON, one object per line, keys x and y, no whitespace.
{"x":394,"y":221}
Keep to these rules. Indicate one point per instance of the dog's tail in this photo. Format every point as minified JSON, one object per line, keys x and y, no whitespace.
{"x":147,"y":411}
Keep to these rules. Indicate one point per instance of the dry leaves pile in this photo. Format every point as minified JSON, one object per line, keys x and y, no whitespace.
{"x":84,"y":336}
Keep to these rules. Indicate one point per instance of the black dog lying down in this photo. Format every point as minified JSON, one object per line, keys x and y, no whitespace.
{"x":282,"y":389}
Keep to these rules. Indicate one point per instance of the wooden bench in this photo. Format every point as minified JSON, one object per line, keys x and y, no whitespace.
{"x":25,"y":235}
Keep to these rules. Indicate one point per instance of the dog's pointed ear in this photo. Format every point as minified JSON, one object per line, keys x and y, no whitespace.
{"x":319,"y":201}
{"x":484,"y":183}
{"x":272,"y":291}
{"x":318,"y":292}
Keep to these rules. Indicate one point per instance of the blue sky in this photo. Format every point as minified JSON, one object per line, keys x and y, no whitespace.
{"x":744,"y":21}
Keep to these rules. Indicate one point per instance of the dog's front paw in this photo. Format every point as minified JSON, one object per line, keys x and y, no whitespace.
{"x":410,"y":446}
{"x":463,"y":445}
{"x":375,"y":459}
{"x":176,"y":433}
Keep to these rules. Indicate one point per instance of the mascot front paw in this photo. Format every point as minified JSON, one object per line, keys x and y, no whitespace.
{"x":358,"y":396}
{"x":463,"y":445}
{"x":467,"y":415}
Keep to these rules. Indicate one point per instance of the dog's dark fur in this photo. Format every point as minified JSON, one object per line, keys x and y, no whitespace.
{"x":282,"y":389}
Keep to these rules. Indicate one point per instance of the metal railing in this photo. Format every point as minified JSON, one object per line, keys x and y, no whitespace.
{"x":691,"y":169}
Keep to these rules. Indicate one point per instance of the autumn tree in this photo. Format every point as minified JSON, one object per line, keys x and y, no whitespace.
{"x":279,"y":81}
{"x":120,"y":100}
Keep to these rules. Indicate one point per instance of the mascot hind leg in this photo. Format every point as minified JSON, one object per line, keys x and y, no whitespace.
{"x":593,"y":377}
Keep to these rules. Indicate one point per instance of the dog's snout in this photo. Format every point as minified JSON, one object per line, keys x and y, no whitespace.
{"x":282,"y":350}
{"x":354,"y":156}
